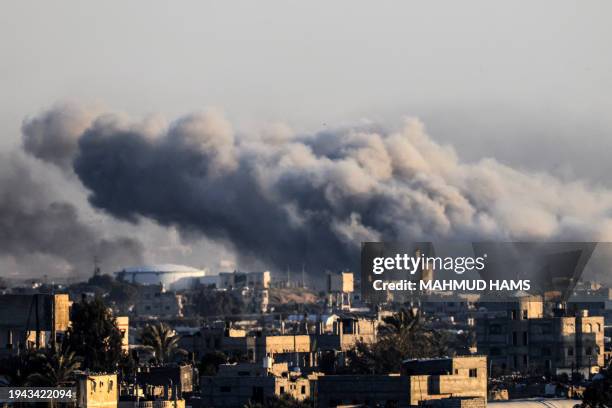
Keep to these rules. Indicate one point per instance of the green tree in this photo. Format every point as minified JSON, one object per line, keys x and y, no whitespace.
{"x":94,"y":336}
{"x":162,"y":340}
{"x":16,"y":369}
{"x":403,"y":335}
{"x":58,"y":367}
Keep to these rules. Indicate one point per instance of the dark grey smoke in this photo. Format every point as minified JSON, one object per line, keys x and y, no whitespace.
{"x":53,"y":135}
{"x":34,"y":223}
{"x":289,"y":200}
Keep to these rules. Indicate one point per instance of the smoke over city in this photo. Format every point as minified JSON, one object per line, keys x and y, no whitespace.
{"x":288,"y":199}
{"x":43,"y":233}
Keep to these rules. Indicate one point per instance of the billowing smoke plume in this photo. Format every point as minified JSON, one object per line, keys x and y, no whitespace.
{"x":39,"y":231}
{"x":53,"y":135}
{"x":288,"y":199}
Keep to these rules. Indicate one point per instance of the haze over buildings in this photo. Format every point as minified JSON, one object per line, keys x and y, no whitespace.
{"x":508,"y":82}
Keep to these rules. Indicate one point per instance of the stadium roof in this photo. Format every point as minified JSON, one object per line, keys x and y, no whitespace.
{"x":168,"y":268}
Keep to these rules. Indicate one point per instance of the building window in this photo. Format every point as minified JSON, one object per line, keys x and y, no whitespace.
{"x":588,"y":351}
{"x":570,"y":351}
{"x":525,"y":342}
{"x":473,"y":372}
{"x":303,"y":390}
{"x":525,"y":314}
{"x":282,"y":390}
{"x":226,"y":388}
{"x":514,"y":315}
{"x":514,"y":339}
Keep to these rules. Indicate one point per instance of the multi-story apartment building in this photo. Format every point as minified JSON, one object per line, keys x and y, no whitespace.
{"x":517,"y":337}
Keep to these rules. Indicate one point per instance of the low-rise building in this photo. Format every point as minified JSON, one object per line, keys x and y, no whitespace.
{"x":237,"y":384}
{"x":237,"y":280}
{"x":176,"y":377}
{"x":154,"y":300}
{"x":302,"y":350}
{"x":420,"y":381}
{"x":459,"y":382}
{"x":97,"y":391}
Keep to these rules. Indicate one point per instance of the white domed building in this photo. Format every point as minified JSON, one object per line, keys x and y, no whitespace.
{"x":173,"y":277}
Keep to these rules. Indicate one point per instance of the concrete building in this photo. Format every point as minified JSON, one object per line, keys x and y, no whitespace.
{"x":154,"y":300}
{"x":32,"y":320}
{"x":459,"y":378}
{"x":459,"y":382}
{"x":174,"y":277}
{"x":597,"y":302}
{"x":97,"y":391}
{"x":238,"y":280}
{"x":297,"y":349}
{"x":180,"y":378}
{"x":522,"y":340}
{"x":123,"y":324}
{"x":237,"y":384}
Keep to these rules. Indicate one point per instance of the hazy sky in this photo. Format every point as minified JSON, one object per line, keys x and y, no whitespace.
{"x":310,"y":62}
{"x":529,"y":83}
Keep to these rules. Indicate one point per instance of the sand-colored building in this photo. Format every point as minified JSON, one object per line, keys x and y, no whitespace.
{"x":524,"y":340}
{"x":459,"y":382}
{"x":301,"y":350}
{"x":97,"y":391}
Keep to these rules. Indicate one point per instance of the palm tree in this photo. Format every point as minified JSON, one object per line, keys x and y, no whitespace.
{"x":17,"y":368}
{"x":162,"y":340}
{"x":407,"y":332}
{"x":58,"y":367}
{"x":403,"y":335}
